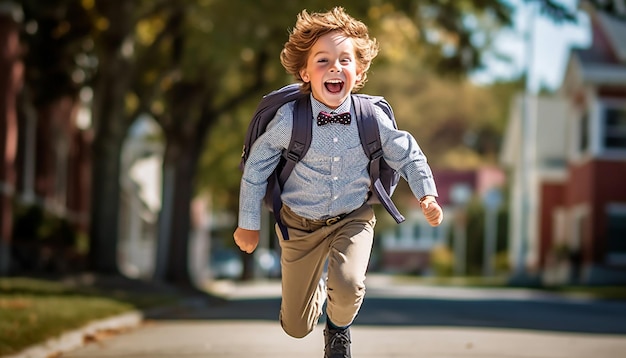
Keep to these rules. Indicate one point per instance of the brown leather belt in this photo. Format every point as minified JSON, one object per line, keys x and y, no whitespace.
{"x":329,"y":221}
{"x":335,"y":219}
{"x":326,"y":222}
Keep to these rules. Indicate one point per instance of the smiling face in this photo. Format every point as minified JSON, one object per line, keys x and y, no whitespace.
{"x":332,"y":69}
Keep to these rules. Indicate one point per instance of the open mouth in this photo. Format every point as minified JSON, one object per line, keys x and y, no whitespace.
{"x":333,"y":86}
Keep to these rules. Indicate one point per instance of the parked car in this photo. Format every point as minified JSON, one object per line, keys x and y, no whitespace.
{"x":267,"y":262}
{"x":227,"y":263}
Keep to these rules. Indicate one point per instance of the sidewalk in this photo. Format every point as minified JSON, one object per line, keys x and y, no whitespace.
{"x":245,"y":324}
{"x":245,"y":339}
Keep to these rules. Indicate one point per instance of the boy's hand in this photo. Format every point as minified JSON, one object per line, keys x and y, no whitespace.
{"x":432,"y":211}
{"x":247,"y":240}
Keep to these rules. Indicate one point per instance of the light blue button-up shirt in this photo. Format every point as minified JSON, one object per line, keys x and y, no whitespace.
{"x":333,"y":177}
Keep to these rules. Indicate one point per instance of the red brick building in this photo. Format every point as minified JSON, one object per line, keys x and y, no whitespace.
{"x":46,"y":153}
{"x":11,"y":77}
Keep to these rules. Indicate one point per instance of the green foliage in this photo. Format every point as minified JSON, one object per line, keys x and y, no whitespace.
{"x":44,"y":242}
{"x":458,"y":124}
{"x":556,"y":10}
{"x":32,"y":223}
{"x":442,"y":261}
{"x":501,"y":263}
{"x":26,"y":222}
{"x":57,"y":60}
{"x":475,"y":236}
{"x":475,"y":232}
{"x":219,"y":165}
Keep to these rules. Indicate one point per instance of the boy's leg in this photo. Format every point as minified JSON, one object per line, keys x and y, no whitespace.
{"x":350,"y":249}
{"x":302,"y":263}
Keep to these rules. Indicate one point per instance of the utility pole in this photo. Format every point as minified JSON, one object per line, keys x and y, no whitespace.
{"x":491,"y":200}
{"x":520,"y":274}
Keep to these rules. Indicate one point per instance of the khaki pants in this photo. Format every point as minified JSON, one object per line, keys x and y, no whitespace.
{"x":347,"y":244}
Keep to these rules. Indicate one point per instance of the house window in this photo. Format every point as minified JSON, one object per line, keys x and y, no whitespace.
{"x":583,"y":139}
{"x":616,"y":234}
{"x":614,"y":121}
{"x":417,"y":231}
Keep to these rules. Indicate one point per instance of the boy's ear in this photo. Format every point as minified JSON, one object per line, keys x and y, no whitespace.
{"x":359,"y":75}
{"x":304,"y":75}
{"x":359,"y":79}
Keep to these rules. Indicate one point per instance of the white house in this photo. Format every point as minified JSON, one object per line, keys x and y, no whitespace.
{"x":568,"y":154}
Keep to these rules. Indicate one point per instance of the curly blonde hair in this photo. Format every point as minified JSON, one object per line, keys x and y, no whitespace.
{"x":310,"y":27}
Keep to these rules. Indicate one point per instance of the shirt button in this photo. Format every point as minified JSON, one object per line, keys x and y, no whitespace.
{"x":335,"y":178}
{"x":336,"y":159}
{"x":335,"y":197}
{"x":335,"y":140}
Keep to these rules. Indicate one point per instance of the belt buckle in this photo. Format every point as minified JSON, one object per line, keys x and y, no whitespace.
{"x":332,"y":220}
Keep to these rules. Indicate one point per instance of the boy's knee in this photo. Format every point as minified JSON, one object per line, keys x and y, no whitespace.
{"x":296,"y":330}
{"x":346,"y":294}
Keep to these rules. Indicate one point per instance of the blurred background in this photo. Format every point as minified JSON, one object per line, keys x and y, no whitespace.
{"x":122,"y":124}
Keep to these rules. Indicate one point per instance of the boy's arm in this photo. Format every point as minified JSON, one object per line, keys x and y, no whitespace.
{"x":263,"y":159}
{"x":247,"y":240}
{"x":432,"y":211}
{"x":401,"y":152}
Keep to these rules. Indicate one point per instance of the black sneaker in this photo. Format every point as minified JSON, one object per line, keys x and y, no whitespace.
{"x":337,"y":342}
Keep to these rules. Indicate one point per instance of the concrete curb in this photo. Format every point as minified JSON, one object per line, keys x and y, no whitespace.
{"x":74,"y":339}
{"x":77,"y":338}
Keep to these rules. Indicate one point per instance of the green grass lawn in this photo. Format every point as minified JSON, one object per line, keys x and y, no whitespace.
{"x":595,"y":292}
{"x":34,"y":310}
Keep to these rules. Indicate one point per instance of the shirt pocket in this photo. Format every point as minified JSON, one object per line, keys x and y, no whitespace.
{"x":316,"y":163}
{"x":355,"y":161}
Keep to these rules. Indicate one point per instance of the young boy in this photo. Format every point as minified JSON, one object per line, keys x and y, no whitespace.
{"x":329,"y":53}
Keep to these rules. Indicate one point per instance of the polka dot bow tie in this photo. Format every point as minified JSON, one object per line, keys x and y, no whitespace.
{"x":325,"y":118}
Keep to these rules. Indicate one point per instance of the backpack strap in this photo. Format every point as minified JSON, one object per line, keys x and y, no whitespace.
{"x":370,"y":140}
{"x":301,"y":135}
{"x":264,"y":113}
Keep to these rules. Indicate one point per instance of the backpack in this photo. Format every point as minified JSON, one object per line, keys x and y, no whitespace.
{"x":384,"y":179}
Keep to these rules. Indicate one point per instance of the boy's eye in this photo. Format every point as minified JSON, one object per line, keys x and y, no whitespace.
{"x":322,"y":60}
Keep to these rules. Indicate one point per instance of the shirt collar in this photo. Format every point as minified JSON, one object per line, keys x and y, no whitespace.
{"x":318,"y":106}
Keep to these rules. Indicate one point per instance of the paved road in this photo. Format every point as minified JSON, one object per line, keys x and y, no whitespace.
{"x":395,"y":321}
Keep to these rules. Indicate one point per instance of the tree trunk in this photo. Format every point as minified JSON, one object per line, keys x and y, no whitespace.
{"x":110,"y":123}
{"x":178,"y":259}
{"x":185,"y":132}
{"x":179,"y":169}
{"x":105,"y":193}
